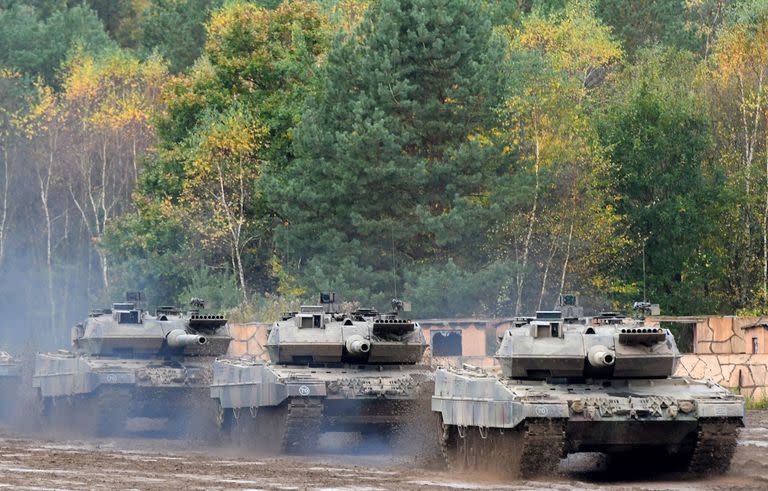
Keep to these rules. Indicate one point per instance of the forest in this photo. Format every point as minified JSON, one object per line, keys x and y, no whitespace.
{"x":473,"y":157}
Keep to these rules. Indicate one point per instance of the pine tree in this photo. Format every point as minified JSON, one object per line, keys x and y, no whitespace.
{"x":387,"y":151}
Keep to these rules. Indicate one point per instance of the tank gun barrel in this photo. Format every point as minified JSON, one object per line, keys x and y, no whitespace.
{"x":357,"y":345}
{"x":599,"y":356}
{"x":179,"y":338}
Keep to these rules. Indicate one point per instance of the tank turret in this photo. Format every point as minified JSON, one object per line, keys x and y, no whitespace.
{"x":320,"y":334}
{"x":128,"y":330}
{"x":605,"y":346}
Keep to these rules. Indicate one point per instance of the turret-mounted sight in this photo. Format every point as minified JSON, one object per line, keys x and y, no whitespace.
{"x":330,"y":302}
{"x":134,"y":297}
{"x":568,"y":305}
{"x":400,"y":306}
{"x":197,"y":303}
{"x":646,"y":308}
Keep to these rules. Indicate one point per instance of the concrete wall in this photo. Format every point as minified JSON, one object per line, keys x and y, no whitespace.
{"x":478,"y":340}
{"x":748,"y":373}
{"x":249,"y":339}
{"x":722,"y":335}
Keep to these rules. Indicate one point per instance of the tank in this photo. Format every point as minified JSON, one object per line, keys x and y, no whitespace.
{"x":566,"y":384}
{"x":133,"y":371}
{"x":328,"y":371}
{"x":10,"y":378}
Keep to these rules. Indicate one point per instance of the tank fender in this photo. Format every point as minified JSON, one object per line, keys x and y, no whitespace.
{"x":495,"y":414}
{"x":63,"y":375}
{"x":721,"y":409}
{"x":482,"y":400}
{"x":246,"y":386}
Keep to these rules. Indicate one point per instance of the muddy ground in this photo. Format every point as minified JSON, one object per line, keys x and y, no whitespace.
{"x":44,"y":463}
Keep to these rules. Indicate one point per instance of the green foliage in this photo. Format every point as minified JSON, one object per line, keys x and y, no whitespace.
{"x":445,"y":290}
{"x":176,"y":29}
{"x":218,"y":289}
{"x":37,"y":45}
{"x":150,"y":253}
{"x":477,"y":157}
{"x":755,"y":403}
{"x":385,"y":148}
{"x":658,"y":140}
{"x":642,"y":24}
{"x":229,"y":121}
{"x":121,"y":19}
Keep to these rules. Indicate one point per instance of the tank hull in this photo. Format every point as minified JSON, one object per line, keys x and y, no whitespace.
{"x":614,"y":416}
{"x":10,"y":382}
{"x":361,"y":398}
{"x":107,"y":392}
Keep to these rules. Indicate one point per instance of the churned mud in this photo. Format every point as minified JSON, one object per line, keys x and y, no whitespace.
{"x":46,"y":463}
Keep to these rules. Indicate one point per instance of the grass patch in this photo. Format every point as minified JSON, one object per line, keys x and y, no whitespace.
{"x":755,"y":403}
{"x":752,"y":402}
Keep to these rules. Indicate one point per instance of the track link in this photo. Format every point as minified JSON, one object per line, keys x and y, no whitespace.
{"x":304,"y":416}
{"x":715,"y":446}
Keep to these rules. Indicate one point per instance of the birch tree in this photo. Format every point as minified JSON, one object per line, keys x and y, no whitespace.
{"x":11,"y":111}
{"x":558,"y":60}
{"x":108,"y":106}
{"x":739,"y":72}
{"x":222,"y":170}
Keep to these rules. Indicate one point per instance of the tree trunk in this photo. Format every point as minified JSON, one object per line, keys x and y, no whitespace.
{"x":567,"y":257}
{"x":103,"y":262}
{"x":241,"y":273}
{"x":531,"y":222}
{"x":4,"y":211}
{"x":765,"y":227}
{"x":552,"y":251}
{"x":750,"y":124}
{"x":44,"y":183}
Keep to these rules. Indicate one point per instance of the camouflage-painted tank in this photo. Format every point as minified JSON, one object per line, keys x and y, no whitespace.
{"x":568,"y":384}
{"x":329,"y":371}
{"x":126,"y":363}
{"x":10,"y":379}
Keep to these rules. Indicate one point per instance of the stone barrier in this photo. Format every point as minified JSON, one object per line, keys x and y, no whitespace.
{"x":746,"y":373}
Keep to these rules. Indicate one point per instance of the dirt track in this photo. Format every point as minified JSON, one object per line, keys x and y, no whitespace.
{"x":43,"y":463}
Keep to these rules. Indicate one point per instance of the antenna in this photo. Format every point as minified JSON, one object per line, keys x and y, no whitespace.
{"x":394,"y":263}
{"x":645,"y":300}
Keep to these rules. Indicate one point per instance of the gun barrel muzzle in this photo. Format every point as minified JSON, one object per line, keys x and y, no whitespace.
{"x":357,"y":345}
{"x":600,"y":357}
{"x":178,"y":338}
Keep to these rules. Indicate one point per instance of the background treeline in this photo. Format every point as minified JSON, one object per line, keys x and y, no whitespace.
{"x":475,"y":157}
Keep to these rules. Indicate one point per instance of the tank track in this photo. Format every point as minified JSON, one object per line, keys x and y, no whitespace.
{"x":111,"y":404}
{"x":715,"y":446}
{"x":533,"y":449}
{"x":303,"y":419}
{"x":543,"y":447}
